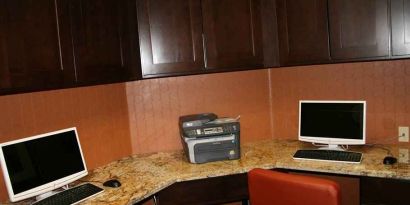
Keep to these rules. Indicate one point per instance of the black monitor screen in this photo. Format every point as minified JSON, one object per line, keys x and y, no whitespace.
{"x":332,"y":120}
{"x":36,"y":162}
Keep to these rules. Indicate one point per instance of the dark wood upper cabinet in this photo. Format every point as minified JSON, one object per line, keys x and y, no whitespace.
{"x":51,"y":44}
{"x":34,"y":53}
{"x":303,"y":31}
{"x":269,"y":33}
{"x":232,"y":34}
{"x":400,"y":22}
{"x":170,"y":33}
{"x":359,"y":29}
{"x":101,"y":40}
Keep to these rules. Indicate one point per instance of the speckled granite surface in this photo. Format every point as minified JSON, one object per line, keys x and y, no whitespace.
{"x":144,"y":175}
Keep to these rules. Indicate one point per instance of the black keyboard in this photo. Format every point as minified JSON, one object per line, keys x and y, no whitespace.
{"x":329,"y":155}
{"x":71,"y":196}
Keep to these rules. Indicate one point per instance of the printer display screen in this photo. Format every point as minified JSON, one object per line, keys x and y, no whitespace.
{"x":213,"y":130}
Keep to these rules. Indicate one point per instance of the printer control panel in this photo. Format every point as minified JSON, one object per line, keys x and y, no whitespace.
{"x":212,"y":130}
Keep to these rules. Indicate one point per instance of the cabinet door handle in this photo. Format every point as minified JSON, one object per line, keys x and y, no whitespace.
{"x":205,"y":50}
{"x":155,"y":200}
{"x":58,"y":35}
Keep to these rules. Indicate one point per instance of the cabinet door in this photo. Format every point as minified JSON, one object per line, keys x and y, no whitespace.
{"x":101,"y":40}
{"x":34,"y":45}
{"x":400,"y":22}
{"x":170,"y":36}
{"x":359,"y":29}
{"x":303,"y":31}
{"x":232,"y":33}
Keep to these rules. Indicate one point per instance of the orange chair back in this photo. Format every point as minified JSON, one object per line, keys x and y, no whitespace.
{"x":271,"y":187}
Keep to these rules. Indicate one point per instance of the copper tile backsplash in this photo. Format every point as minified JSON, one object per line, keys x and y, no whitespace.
{"x":385,"y":85}
{"x":155,"y":105}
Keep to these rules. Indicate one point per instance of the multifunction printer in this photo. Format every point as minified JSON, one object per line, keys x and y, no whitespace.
{"x":207,"y":138}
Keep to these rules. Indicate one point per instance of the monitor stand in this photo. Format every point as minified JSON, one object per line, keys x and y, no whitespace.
{"x":331,"y":147}
{"x":51,"y":193}
{"x":46,"y":195}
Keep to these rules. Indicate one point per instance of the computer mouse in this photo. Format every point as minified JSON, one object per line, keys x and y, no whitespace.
{"x":389,"y":160}
{"x":112,"y":183}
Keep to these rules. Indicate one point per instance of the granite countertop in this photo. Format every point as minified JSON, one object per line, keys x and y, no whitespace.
{"x":143,"y":175}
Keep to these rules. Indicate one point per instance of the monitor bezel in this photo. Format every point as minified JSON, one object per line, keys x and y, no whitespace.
{"x":44,"y":188}
{"x":329,"y":140}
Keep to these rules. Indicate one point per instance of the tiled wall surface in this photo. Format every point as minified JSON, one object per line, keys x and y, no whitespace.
{"x":155,"y":105}
{"x":99,"y":113}
{"x":384,"y":85}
